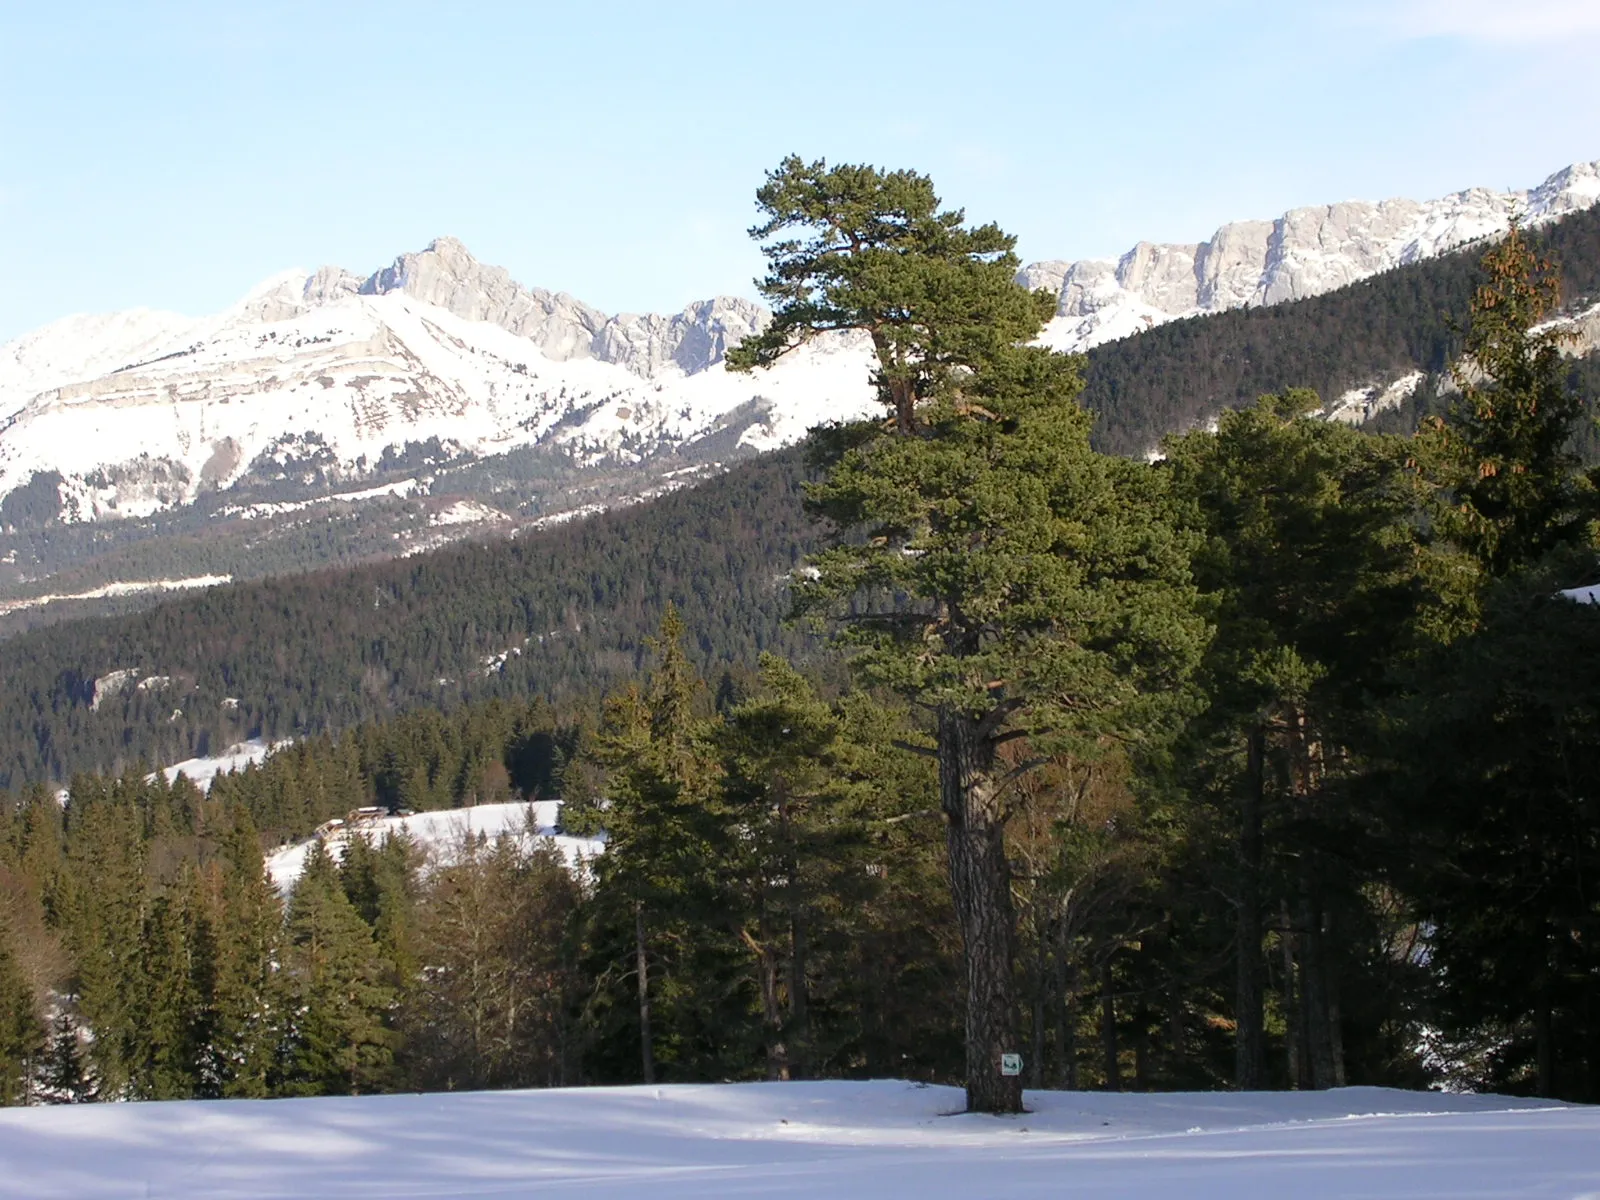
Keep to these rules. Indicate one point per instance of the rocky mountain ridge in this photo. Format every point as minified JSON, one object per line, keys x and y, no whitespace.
{"x":316,"y":379}
{"x":1305,"y":252}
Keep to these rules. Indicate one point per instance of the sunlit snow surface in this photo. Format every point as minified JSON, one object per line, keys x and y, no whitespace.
{"x":440,"y":834}
{"x":201,"y":771}
{"x":843,"y":1141}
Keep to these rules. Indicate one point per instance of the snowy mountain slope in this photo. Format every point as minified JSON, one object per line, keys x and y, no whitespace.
{"x":350,"y":378}
{"x":319,"y":378}
{"x":844,"y":1141}
{"x":1305,"y":252}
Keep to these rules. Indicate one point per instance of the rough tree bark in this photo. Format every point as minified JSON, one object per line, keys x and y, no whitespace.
{"x":797,"y":1030}
{"x":980,"y":883}
{"x":647,"y":1056}
{"x":1250,"y":1043}
{"x":771,"y":1008}
{"x":1293,"y":1020}
{"x":1067,"y":1020}
{"x":1108,"y":1027}
{"x":1314,"y":979}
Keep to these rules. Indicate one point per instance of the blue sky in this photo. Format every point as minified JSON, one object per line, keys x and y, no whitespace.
{"x":171,"y":154}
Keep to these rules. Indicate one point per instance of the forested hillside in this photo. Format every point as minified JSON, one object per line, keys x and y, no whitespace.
{"x":1179,"y":375}
{"x":561,"y":612}
{"x":558,"y":613}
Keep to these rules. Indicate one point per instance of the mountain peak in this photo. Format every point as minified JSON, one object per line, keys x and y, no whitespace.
{"x":1304,"y":252}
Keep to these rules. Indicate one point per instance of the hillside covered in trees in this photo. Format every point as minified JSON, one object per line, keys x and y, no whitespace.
{"x":559,"y":613}
{"x":1413,"y":318}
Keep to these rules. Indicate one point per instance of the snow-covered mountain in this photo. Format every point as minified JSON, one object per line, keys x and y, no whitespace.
{"x":322,"y":377}
{"x":143,"y":411}
{"x":1305,"y":252}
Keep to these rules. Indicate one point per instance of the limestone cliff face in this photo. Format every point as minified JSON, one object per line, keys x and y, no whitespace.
{"x":1305,"y":252}
{"x":448,"y":277}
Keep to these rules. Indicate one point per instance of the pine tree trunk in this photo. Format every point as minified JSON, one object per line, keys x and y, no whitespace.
{"x":1067,"y":1029}
{"x":1292,"y":1021}
{"x":980,"y":884}
{"x":1175,"y":1026}
{"x":1317,"y":1064}
{"x":647,"y":1056}
{"x":799,"y":1001}
{"x":1041,"y":1006}
{"x":1250,"y":1042}
{"x":799,"y":1016}
{"x":1313,"y":975}
{"x":771,"y":1009}
{"x":1544,"y":1050}
{"x":1108,"y":1028}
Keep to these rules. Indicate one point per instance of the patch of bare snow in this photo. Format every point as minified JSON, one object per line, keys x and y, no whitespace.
{"x":844,"y":1140}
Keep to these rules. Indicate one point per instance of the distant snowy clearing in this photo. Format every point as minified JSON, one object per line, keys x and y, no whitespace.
{"x":439,"y":833}
{"x":202,"y":772}
{"x":837,"y":1140}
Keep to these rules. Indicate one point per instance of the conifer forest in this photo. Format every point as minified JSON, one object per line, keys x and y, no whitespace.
{"x":1270,"y":762}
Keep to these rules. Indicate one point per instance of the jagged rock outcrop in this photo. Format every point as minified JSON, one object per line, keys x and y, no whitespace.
{"x":446,"y":275}
{"x":1305,"y":252}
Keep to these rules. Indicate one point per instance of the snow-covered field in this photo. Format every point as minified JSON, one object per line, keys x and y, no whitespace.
{"x":839,"y":1141}
{"x":437,"y":834}
{"x":201,"y":771}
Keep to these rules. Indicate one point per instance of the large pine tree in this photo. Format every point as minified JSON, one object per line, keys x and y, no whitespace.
{"x":1007,"y":580}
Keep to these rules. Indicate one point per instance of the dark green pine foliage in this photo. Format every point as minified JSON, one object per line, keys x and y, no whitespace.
{"x":247,"y":991}
{"x":1182,"y":374}
{"x":1509,"y":487}
{"x":562,"y":614}
{"x":381,"y":883}
{"x":1310,"y":570}
{"x":1012,"y":583}
{"x":64,"y":1078}
{"x":166,"y":1030}
{"x":1492,"y":768}
{"x":337,"y":1039}
{"x":677,"y":990}
{"x":1496,"y":781}
{"x":103,"y":910}
{"x":876,"y":253}
{"x":796,"y":789}
{"x":22,"y":1035}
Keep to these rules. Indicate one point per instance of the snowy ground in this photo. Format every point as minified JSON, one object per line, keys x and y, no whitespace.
{"x":201,"y":771}
{"x":439,"y":834}
{"x":812,"y":1140}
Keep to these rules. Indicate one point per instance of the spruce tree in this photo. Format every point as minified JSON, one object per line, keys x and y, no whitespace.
{"x":1007,"y":580}
{"x":1309,"y":568}
{"x":1503,"y":459}
{"x":338,"y":1040}
{"x":660,"y":865}
{"x":248,"y":989}
{"x":791,"y":787}
{"x":22,"y":1040}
